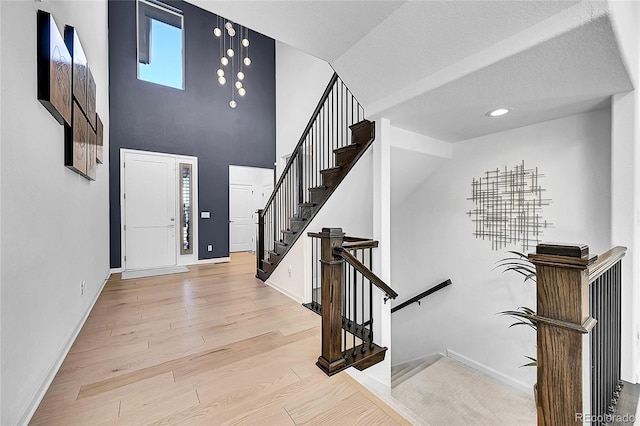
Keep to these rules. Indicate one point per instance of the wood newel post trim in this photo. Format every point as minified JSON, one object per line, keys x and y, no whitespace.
{"x":562,"y":315}
{"x":331,"y":360}
{"x":260,"y":240}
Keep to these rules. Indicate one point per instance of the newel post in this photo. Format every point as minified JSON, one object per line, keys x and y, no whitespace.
{"x":563,"y":319}
{"x":331,"y":360}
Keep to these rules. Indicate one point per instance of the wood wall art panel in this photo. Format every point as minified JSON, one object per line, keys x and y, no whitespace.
{"x":99,"y":140}
{"x":54,"y":69}
{"x":75,"y":142}
{"x":79,"y":75}
{"x":91,"y":152}
{"x":91,"y":99}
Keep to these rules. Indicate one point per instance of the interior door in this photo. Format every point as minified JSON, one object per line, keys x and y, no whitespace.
{"x":240,"y":218}
{"x":150,"y":211}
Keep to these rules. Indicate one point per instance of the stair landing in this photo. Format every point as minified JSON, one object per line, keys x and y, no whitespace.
{"x":451,"y":393}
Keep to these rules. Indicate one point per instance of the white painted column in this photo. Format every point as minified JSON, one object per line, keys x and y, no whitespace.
{"x":382,"y":255}
{"x":625,"y":182}
{"x":624,"y":219}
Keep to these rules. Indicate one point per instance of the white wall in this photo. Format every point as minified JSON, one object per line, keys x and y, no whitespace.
{"x":434,"y":235}
{"x":300,"y":82}
{"x":55,"y":224}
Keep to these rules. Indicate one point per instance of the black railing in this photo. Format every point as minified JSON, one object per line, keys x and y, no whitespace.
{"x":355,"y":260}
{"x":421,"y":296}
{"x":606,"y":308}
{"x":327,"y":130}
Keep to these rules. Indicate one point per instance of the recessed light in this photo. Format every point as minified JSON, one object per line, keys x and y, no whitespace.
{"x":498,"y":112}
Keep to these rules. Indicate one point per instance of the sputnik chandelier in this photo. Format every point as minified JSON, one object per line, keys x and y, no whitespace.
{"x":234,"y":47}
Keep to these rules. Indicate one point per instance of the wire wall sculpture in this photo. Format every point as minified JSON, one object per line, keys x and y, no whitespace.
{"x":508,"y":207}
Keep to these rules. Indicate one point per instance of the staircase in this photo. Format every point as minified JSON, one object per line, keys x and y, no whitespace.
{"x":333,"y":141}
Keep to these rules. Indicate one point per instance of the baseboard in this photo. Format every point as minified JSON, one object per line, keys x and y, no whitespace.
{"x":32,"y":406}
{"x":489,"y":371}
{"x":283,"y":291}
{"x":214,"y":260}
{"x":115,"y":270}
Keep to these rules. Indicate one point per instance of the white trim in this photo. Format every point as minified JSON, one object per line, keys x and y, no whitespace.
{"x":489,"y":371}
{"x":214,"y":260}
{"x":283,"y":291}
{"x":30,"y":409}
{"x":115,"y":270}
{"x":174,"y":11}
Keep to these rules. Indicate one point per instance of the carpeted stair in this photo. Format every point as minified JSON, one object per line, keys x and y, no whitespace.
{"x":446,"y":392}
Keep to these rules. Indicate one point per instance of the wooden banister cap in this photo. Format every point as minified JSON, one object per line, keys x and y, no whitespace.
{"x":332,"y":232}
{"x":566,"y":250}
{"x":562,"y":255}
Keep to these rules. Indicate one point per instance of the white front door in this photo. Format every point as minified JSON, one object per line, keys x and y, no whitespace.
{"x":240,"y":218}
{"x":150,"y":211}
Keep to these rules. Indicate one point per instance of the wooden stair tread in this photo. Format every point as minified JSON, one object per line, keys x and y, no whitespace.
{"x":318,"y":188}
{"x":347,"y":148}
{"x":331,"y":170}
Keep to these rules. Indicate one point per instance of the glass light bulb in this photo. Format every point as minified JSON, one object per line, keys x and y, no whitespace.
{"x":230,"y":53}
{"x":233,"y":104}
{"x":245,"y":42}
{"x":222,"y":80}
{"x":224,"y":61}
{"x":231,"y":32}
{"x":238,"y":84}
{"x":228,"y":25}
{"x":241,"y":91}
{"x":217,"y":32}
{"x":220,"y":72}
{"x":240,"y":75}
{"x":247,"y":61}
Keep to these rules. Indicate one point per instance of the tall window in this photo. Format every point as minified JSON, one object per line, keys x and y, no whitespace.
{"x":160,"y":44}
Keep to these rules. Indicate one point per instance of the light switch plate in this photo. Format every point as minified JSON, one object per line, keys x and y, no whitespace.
{"x":205,"y":215}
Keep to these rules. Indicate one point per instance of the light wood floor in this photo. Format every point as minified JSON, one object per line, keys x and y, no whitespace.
{"x":212,"y":346}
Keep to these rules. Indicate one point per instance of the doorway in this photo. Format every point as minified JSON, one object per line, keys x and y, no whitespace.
{"x":156,"y":215}
{"x":247,"y":194}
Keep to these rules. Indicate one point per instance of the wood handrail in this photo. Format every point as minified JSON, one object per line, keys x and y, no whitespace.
{"x":605,"y":261}
{"x":366,"y":272}
{"x":421,"y":295}
{"x":363,"y":244}
{"x":295,"y":151}
{"x":351,"y":243}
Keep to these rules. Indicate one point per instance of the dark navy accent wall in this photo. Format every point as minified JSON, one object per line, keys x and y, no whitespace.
{"x":196,"y":121}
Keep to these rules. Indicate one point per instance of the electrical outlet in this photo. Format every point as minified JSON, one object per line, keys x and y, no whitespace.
{"x":82,"y":288}
{"x":210,"y":247}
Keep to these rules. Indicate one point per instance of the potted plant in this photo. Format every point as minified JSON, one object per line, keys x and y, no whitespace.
{"x":523,"y":315}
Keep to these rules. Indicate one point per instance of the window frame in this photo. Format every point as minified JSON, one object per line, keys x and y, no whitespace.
{"x":163,"y":8}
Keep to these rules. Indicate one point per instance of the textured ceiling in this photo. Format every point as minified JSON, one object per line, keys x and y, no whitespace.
{"x":436,"y":67}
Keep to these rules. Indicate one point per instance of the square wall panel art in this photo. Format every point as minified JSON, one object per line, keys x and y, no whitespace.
{"x":79,"y":74}
{"x":508,"y":207}
{"x":91,"y":152}
{"x":91,"y":99}
{"x":75,"y":144}
{"x":54,"y":69}
{"x":99,"y":140}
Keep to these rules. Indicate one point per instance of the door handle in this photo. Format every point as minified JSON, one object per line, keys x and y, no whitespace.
{"x":231,"y":221}
{"x":173,"y":219}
